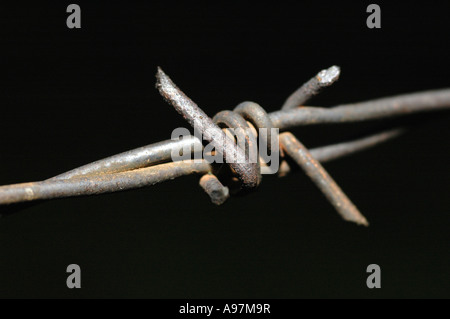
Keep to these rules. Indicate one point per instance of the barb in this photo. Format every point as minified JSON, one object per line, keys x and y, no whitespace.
{"x":313,"y":87}
{"x":322,"y":179}
{"x":152,"y":164}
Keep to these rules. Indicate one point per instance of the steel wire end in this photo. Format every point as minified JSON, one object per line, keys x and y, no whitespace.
{"x":313,"y":87}
{"x":300,"y":154}
{"x":329,"y":76}
{"x":214,"y":188}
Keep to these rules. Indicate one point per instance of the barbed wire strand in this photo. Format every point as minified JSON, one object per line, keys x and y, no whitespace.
{"x":77,"y":185}
{"x":148,"y":165}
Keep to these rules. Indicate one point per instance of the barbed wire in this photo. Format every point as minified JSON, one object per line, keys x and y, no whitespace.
{"x":152,"y":164}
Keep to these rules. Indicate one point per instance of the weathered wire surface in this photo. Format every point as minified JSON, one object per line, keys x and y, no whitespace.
{"x":152,"y":164}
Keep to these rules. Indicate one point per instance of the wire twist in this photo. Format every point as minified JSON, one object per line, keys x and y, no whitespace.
{"x":257,"y":116}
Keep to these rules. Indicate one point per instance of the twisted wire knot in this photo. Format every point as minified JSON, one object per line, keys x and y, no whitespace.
{"x":250,"y":173}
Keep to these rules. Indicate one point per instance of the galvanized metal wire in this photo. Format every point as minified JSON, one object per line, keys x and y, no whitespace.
{"x":152,"y":164}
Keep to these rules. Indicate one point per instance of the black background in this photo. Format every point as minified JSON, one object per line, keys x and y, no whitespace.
{"x":69,"y":97}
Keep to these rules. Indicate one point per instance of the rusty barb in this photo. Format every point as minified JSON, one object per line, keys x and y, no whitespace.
{"x":154,"y":163}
